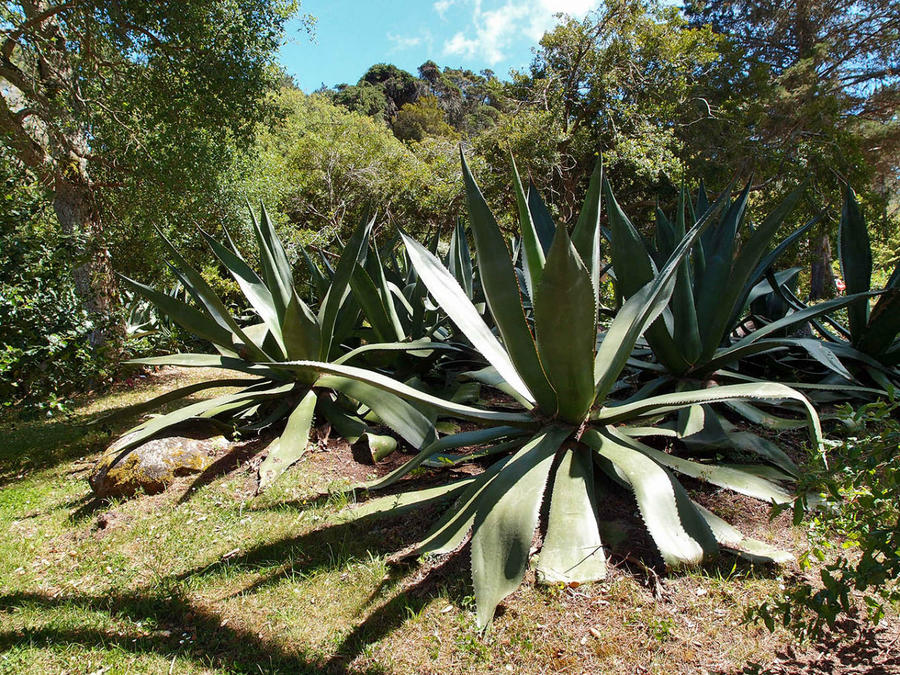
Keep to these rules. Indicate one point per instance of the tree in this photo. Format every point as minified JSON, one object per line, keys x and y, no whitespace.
{"x":365,"y":98}
{"x":416,"y":121}
{"x":470,"y":101}
{"x":820,"y":86}
{"x":105,"y":95}
{"x":626,"y":81}
{"x":322,"y":169}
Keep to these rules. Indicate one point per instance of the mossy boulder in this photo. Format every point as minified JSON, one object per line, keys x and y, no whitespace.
{"x":154,"y":465}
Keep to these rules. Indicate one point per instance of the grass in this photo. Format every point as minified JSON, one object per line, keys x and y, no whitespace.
{"x":213,"y":580}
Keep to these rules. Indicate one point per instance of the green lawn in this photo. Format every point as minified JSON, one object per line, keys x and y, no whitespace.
{"x":210,"y":579}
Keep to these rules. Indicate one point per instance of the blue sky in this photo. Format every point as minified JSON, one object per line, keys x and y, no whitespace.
{"x":351,"y":35}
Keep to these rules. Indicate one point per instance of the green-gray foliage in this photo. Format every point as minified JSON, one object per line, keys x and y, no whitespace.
{"x":286,"y":328}
{"x":563,"y":376}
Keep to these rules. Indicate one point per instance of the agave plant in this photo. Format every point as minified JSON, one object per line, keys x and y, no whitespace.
{"x":287,"y":329}
{"x":567,"y":427}
{"x":696,"y":339}
{"x":870,"y":338}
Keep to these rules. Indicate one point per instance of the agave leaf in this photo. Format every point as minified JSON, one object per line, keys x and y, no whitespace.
{"x":501,"y":290}
{"x":679,"y":531}
{"x":540,"y":216}
{"x":384,"y":290}
{"x":638,"y":312}
{"x":764,"y":448}
{"x":743,"y":482}
{"x":373,"y":307}
{"x":753,"y":414}
{"x":452,"y":528}
{"x":506,"y":518}
{"x":354,"y":430}
{"x":712,"y":284}
{"x":157,"y":425}
{"x":209,"y":361}
{"x":665,"y":236}
{"x":444,"y":460}
{"x":894,"y":280}
{"x":627,"y":245}
{"x":404,"y":391}
{"x":452,"y":298}
{"x":174,"y":395}
{"x":319,"y":281}
{"x":884,"y":324}
{"x":402,"y":503}
{"x":194,"y":282}
{"x":489,"y":376}
{"x":572,"y":550}
{"x":686,"y":331}
{"x":301,"y":335}
{"x":534,"y":257}
{"x":285,"y":451}
{"x":773,"y":255}
{"x":764,"y":287}
{"x":192,"y":320}
{"x":459,"y":440}
{"x":730,"y":298}
{"x":340,"y":285}
{"x":276,"y":272}
{"x":415,"y":347}
{"x":565,"y":319}
{"x":252,"y":287}
{"x":586,"y":235}
{"x":460,"y":258}
{"x":724,"y":356}
{"x":855,"y":254}
{"x":656,"y":405}
{"x":414,"y":427}
{"x":732,"y":540}
{"x":817,"y":350}
{"x":379,"y":445}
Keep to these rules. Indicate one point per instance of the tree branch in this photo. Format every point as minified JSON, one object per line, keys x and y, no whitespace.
{"x":9,"y":44}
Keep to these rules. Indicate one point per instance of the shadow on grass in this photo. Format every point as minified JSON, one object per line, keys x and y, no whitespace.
{"x":184,"y":629}
{"x":405,"y":588}
{"x":188,"y":629}
{"x":38,"y":445}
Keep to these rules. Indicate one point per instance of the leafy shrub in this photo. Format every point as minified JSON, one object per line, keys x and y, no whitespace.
{"x":46,"y":354}
{"x":857,"y":530}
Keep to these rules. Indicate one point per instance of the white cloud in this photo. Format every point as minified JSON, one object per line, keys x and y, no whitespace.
{"x":493,"y":31}
{"x":441,"y":6}
{"x":404,"y":41}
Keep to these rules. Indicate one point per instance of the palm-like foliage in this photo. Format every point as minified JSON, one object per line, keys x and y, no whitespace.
{"x":869,"y":341}
{"x":874,"y":329}
{"x":695,"y":340}
{"x":568,"y":427}
{"x":288,"y":329}
{"x":713,"y":292}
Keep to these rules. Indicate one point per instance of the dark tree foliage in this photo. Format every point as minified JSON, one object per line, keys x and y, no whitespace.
{"x":819,"y":88}
{"x":106,"y":96}
{"x":470,"y":101}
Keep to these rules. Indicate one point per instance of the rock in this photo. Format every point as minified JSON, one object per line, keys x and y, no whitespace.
{"x":154,"y":465}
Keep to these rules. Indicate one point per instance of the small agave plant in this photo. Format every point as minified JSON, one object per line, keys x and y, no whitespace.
{"x":287,"y":329}
{"x":870,"y":341}
{"x":568,"y":428}
{"x":695,"y":339}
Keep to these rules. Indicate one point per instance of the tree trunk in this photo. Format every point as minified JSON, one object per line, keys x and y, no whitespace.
{"x":95,"y":282}
{"x":821,"y":281}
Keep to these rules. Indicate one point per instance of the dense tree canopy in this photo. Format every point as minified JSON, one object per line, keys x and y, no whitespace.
{"x":112,"y":102}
